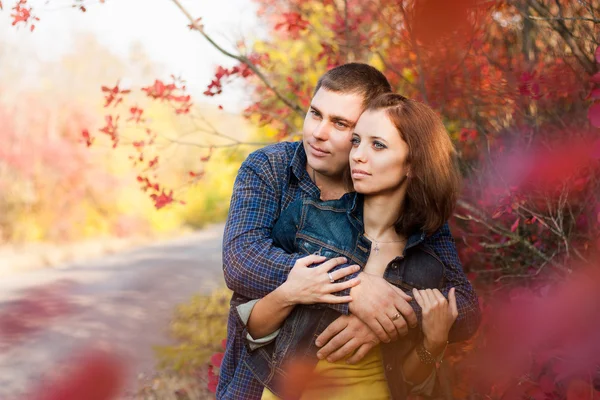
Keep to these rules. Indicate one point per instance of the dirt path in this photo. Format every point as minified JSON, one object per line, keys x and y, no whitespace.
{"x":122,"y":302}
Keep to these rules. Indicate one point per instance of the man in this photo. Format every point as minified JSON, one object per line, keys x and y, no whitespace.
{"x":273,"y":177}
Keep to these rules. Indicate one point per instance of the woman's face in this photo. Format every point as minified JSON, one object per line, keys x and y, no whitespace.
{"x":378,"y":158}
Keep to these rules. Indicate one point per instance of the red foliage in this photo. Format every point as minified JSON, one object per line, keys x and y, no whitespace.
{"x":162,"y":199}
{"x":22,"y":318}
{"x":433,"y":19}
{"x":95,"y":375}
{"x":114,"y":95}
{"x":111,"y":129}
{"x":22,"y":14}
{"x":293,"y":23}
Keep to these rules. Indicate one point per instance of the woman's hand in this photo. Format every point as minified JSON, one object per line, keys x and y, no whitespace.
{"x":306,"y":285}
{"x":438,"y":316}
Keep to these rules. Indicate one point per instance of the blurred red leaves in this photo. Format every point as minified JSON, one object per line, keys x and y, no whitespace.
{"x":436,"y":19}
{"x":216,"y":359}
{"x":541,"y":341}
{"x":594,"y":114}
{"x":196,"y":25}
{"x":87,"y":137}
{"x":292,"y":23}
{"x":242,"y":70}
{"x":111,"y":129}
{"x":22,"y":14}
{"x":136,"y":114}
{"x":22,"y":318}
{"x":114,"y":95}
{"x":162,"y":199}
{"x":550,"y":166}
{"x":93,"y":375}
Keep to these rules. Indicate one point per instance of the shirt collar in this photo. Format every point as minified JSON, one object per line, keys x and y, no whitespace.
{"x":298,"y":162}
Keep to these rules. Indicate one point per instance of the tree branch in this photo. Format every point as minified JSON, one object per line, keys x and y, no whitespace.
{"x":294,"y":106}
{"x":480,"y":217}
{"x":559,"y":26}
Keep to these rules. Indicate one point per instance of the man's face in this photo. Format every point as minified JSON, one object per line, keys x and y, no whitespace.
{"x":327,"y":130}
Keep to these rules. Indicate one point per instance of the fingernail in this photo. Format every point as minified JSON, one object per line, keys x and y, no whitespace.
{"x":318,"y":343}
{"x":319,"y":356}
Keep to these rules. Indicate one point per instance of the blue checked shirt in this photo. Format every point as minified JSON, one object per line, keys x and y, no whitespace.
{"x":268,"y":182}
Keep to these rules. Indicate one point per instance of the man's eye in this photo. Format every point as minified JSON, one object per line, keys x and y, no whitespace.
{"x":341,"y":125}
{"x":314,"y":113}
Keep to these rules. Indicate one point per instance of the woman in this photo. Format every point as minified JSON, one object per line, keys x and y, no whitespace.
{"x":403,"y":169}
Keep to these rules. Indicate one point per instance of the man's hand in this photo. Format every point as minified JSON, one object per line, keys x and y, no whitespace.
{"x":383,"y":307}
{"x":344,"y":336}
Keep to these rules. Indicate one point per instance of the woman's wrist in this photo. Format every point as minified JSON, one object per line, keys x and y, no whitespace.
{"x":434,"y":346}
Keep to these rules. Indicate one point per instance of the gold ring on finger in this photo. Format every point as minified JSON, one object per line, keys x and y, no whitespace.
{"x":396,"y":316}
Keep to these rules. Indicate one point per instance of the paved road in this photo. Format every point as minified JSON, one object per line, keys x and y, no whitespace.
{"x":121,"y":302}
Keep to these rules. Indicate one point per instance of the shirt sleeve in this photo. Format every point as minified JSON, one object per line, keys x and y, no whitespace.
{"x":469,"y":314}
{"x":252,"y":265}
{"x":426,"y":387}
{"x":244,"y":311}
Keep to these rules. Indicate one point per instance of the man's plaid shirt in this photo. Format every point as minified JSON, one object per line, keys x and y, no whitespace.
{"x":268,"y":182}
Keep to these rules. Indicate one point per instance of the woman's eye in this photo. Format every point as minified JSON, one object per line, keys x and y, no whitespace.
{"x":379,"y":145}
{"x":355,"y":141}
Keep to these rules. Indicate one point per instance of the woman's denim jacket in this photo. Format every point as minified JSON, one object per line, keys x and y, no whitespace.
{"x":332,"y":229}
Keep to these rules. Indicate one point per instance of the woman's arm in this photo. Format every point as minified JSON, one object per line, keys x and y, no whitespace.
{"x":438,"y":316}
{"x":305,"y":285}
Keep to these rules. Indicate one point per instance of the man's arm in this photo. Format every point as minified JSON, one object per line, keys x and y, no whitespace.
{"x":252,"y":266}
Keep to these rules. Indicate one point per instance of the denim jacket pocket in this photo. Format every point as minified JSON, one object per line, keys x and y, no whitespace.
{"x":309,"y":245}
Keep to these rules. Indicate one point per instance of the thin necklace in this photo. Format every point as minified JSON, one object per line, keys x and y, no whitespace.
{"x":376,"y":248}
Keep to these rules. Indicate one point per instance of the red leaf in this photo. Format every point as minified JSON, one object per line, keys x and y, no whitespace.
{"x":515,"y":225}
{"x":217,"y":359}
{"x":86,"y":136}
{"x":546,"y":384}
{"x":594,"y":94}
{"x":595,"y":78}
{"x":594,"y":115}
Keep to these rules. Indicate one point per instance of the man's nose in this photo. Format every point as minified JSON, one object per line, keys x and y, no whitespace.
{"x":321,"y":131}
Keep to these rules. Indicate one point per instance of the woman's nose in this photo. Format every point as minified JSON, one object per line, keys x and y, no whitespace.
{"x":357,"y":154}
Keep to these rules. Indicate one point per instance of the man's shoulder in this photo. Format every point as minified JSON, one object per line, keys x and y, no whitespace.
{"x":279,"y":153}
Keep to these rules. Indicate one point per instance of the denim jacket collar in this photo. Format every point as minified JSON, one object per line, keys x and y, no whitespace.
{"x":354,"y":203}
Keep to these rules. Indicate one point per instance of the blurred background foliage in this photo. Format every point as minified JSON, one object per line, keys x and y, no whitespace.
{"x":56,"y":189}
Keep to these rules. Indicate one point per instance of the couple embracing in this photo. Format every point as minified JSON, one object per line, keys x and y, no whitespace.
{"x":338,"y":251}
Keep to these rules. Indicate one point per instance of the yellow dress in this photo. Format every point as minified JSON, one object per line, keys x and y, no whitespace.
{"x":341,"y":381}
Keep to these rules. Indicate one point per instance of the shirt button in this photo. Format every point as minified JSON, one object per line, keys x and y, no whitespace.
{"x":388,"y":367}
{"x":394,"y":265}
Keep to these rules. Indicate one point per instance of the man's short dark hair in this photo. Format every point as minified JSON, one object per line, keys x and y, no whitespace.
{"x":355,"y":78}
